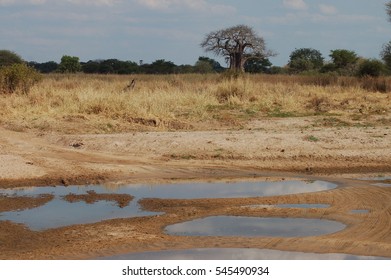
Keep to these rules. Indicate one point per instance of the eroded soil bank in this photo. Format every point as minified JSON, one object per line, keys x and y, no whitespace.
{"x":278,"y":148}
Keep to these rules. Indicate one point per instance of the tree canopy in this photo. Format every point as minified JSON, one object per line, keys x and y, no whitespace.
{"x":305,"y":59}
{"x":8,"y":58}
{"x":69,"y":64}
{"x":236,"y":44}
{"x":343,"y":58}
{"x":372,"y":68}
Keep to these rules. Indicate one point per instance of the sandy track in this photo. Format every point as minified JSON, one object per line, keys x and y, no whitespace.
{"x":288,"y":147}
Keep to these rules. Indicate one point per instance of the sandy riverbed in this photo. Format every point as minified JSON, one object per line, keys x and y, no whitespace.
{"x":269,"y":149}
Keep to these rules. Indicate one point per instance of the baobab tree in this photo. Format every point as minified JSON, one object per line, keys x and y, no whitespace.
{"x":237,"y":44}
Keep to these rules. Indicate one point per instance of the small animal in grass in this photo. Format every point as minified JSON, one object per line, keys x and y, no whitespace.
{"x":130,"y":86}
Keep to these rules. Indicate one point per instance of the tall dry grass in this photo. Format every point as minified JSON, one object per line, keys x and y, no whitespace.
{"x":99,"y":104}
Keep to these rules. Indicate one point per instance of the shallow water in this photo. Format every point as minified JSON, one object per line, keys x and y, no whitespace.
{"x":188,"y":190}
{"x":303,"y":206}
{"x":254,"y":226}
{"x":383,"y":181}
{"x":59,"y":212}
{"x":235,"y":254}
{"x":359,"y":211}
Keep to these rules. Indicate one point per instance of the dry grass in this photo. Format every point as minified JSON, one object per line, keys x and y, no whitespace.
{"x":99,"y":104}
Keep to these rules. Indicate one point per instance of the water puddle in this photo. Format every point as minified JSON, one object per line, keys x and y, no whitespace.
{"x":383,"y":181}
{"x":388,"y":184}
{"x":305,"y":206}
{"x":300,"y":206}
{"x":359,"y":211}
{"x":236,"y":254}
{"x":59,"y":212}
{"x":254,"y":226}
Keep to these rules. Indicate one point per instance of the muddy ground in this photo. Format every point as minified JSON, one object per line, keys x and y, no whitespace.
{"x":309,"y":148}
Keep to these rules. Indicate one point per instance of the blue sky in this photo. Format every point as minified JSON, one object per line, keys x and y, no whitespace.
{"x":44,"y":30}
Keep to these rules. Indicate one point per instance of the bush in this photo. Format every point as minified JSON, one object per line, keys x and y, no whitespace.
{"x":17,"y":78}
{"x":371,"y":68}
{"x":8,"y":58}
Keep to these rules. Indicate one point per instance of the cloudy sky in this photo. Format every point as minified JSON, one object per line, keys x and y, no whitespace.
{"x":44,"y":30}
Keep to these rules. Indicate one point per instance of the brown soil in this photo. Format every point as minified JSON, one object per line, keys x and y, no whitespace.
{"x":14,"y":203}
{"x":297,"y":147}
{"x":91,"y":197}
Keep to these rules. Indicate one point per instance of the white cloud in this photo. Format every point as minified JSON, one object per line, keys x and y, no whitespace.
{"x":6,"y":2}
{"x":295,"y":4}
{"x":342,"y":18}
{"x":193,"y":5}
{"x":21,"y":2}
{"x":93,"y":2}
{"x":328,"y":9}
{"x":78,"y":2}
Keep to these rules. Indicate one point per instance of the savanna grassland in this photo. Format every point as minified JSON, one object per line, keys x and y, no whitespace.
{"x":104,"y":104}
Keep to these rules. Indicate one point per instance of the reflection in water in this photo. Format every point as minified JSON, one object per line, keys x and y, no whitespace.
{"x":235,"y":254}
{"x":253,"y":226}
{"x":189,"y":190}
{"x":58,"y":212}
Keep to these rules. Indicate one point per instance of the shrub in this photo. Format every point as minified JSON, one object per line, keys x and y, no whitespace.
{"x":371,"y":68}
{"x":8,"y":58}
{"x":17,"y":78}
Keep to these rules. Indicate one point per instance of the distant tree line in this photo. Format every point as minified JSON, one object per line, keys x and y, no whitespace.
{"x":342,"y":62}
{"x":301,"y":61}
{"x":71,"y":64}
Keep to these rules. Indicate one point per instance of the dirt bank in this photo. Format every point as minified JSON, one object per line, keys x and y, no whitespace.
{"x":307,"y":147}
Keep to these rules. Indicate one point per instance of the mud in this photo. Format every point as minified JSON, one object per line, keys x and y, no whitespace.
{"x":91,"y":197}
{"x":261,"y":150}
{"x":13,"y":203}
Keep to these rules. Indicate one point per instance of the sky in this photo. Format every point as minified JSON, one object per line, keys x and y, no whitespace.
{"x":45,"y":30}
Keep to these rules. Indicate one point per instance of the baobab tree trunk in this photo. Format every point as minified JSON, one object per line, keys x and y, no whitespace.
{"x":237,"y":62}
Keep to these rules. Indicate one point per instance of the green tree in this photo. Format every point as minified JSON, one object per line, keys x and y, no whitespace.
{"x":8,"y":58}
{"x":255,"y":65}
{"x":305,"y":59}
{"x":69,"y":64}
{"x":372,"y":68}
{"x":236,"y":44}
{"x":46,"y":67}
{"x":159,"y":66}
{"x":216,"y":66}
{"x":91,"y":66}
{"x":343,"y":58}
{"x":343,"y":62}
{"x":203,"y":67}
{"x":185,"y":69}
